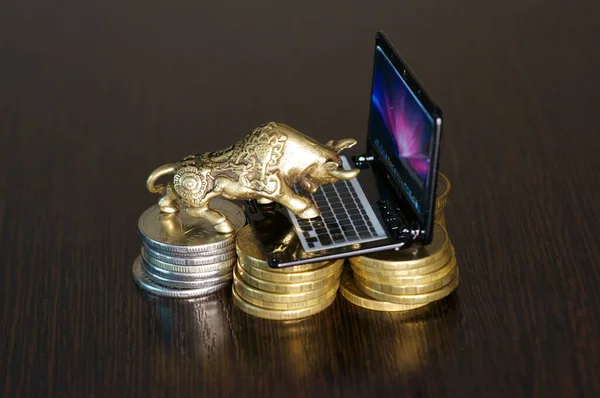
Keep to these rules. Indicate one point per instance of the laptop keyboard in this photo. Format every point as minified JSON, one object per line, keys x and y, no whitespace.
{"x":346,"y":217}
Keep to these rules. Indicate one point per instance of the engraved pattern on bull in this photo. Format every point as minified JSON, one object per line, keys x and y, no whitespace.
{"x":264,"y":165}
{"x":190,"y":184}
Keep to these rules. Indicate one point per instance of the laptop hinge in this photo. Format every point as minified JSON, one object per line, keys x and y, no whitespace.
{"x":409,"y":234}
{"x":414,"y":230}
{"x":363,"y":160}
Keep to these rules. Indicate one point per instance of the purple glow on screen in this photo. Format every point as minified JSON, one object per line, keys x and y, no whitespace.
{"x":402,"y":118}
{"x":407,"y":133}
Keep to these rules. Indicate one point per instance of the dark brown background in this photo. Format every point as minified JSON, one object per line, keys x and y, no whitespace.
{"x":94,"y":95}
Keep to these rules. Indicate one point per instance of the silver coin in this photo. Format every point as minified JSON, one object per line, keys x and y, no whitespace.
{"x":186,"y":276}
{"x":181,"y":233}
{"x":144,"y":282}
{"x":174,"y":266}
{"x":170,"y":258}
{"x":218,"y":252}
{"x":179,"y":284}
{"x":218,"y":266}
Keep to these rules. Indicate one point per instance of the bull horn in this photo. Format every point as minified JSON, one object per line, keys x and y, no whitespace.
{"x":344,"y":174}
{"x":340,"y":145}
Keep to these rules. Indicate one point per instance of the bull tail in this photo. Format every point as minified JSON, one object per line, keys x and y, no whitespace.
{"x":163,"y":170}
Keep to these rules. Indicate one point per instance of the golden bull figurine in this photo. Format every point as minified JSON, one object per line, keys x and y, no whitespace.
{"x":265,"y":165}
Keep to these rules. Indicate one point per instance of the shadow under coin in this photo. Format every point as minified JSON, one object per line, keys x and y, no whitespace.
{"x":403,"y":343}
{"x":193,"y":327}
{"x":300,"y":348}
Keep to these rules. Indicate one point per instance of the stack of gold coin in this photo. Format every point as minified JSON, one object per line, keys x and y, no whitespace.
{"x":281,"y":294}
{"x":401,"y":280}
{"x":442,"y":193}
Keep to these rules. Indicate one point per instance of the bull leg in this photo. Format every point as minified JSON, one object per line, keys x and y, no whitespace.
{"x":217,"y":220}
{"x":310,"y":212}
{"x":167,"y":202}
{"x":299,"y":205}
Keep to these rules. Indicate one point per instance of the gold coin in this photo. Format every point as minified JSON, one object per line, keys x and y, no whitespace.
{"x":354,"y":295}
{"x":411,"y":298}
{"x":249,"y":252}
{"x":442,"y":191}
{"x":280,"y":314}
{"x":281,"y":297}
{"x":295,"y":277}
{"x":275,"y":287}
{"x":440,"y":218}
{"x":417,"y":288}
{"x":239,"y":288}
{"x":373,"y":272}
{"x":413,"y":257}
{"x":408,"y":279}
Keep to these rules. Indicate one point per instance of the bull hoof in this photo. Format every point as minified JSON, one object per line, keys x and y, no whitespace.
{"x":169,"y":208}
{"x":224,"y":227}
{"x":309,"y":212}
{"x":264,"y":201}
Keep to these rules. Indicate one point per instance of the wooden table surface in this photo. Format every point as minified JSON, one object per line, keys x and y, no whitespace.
{"x":94,"y":95}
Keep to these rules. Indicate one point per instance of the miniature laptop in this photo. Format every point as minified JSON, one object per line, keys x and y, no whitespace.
{"x":390,"y":204}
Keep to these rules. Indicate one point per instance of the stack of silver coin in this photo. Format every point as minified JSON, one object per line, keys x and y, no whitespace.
{"x":183,"y":256}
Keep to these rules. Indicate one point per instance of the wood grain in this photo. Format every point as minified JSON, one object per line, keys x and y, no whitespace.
{"x":93,"y":96}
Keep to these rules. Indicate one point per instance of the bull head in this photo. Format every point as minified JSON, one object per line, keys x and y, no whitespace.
{"x":334,"y":170}
{"x":330,"y":171}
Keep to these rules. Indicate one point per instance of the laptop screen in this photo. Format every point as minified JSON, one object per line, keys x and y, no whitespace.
{"x":401,"y":130}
